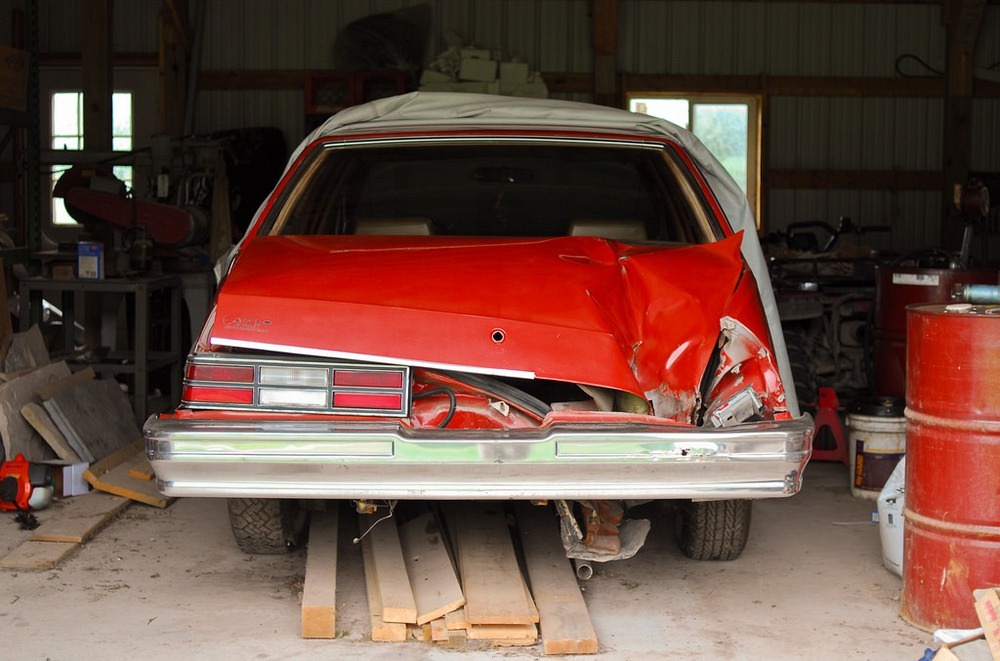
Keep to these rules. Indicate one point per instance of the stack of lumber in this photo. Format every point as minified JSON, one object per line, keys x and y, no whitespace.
{"x":50,"y":414}
{"x":453,"y":576}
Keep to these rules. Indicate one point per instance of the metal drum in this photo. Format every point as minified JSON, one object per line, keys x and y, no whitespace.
{"x":951,"y":532}
{"x":897,"y":287}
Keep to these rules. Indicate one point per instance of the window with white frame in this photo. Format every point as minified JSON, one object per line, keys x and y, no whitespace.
{"x":726,"y":124}
{"x":67,"y":135}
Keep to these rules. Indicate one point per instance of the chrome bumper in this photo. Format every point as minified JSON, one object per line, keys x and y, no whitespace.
{"x":351,"y":460}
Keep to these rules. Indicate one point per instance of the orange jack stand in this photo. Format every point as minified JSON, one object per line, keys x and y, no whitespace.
{"x":829,"y":428}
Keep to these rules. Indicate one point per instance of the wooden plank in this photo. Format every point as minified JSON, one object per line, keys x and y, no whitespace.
{"x":97,"y":414}
{"x":111,"y":474}
{"x":319,"y":594}
{"x":39,"y":419}
{"x":393,"y":584}
{"x":503,"y":632}
{"x":79,"y":518}
{"x":382,"y":631}
{"x":457,"y":619}
{"x":38,"y":555}
{"x":565,"y":621}
{"x":18,"y":436}
{"x":439,"y":630}
{"x":491,"y":577}
{"x":141,"y":469}
{"x":432,"y":577}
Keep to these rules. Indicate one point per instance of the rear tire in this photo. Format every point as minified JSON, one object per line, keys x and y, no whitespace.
{"x":266,"y":526}
{"x":713,"y":529}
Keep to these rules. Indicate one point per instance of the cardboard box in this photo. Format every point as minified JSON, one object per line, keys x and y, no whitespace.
{"x":13,"y":79}
{"x":988,"y":610}
{"x":90,"y":260}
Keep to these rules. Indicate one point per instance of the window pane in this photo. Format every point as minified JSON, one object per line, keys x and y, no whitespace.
{"x":722,"y":127}
{"x":672,"y":110}
{"x":62,"y":142}
{"x":66,"y":115}
{"x":121,"y":119}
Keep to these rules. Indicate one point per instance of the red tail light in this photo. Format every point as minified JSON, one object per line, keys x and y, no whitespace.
{"x":270,"y":384}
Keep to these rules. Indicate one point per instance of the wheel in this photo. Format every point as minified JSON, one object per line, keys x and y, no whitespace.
{"x":713,"y":529}
{"x":266,"y":525}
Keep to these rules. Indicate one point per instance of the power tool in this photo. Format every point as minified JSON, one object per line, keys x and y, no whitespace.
{"x":25,"y":486}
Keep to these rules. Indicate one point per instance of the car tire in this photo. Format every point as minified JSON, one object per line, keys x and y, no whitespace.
{"x":713,"y":529}
{"x":267,"y":526}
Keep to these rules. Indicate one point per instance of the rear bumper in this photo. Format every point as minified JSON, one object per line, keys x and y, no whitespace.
{"x":386,"y":461}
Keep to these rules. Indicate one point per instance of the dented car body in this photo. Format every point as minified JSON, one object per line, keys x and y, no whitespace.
{"x":471,"y":297}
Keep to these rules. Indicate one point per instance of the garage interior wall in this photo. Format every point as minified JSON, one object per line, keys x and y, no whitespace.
{"x":803,"y":132}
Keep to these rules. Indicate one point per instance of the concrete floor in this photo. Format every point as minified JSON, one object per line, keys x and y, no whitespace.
{"x":170,"y":583}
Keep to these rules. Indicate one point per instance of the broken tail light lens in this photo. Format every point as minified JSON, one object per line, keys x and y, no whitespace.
{"x":288,"y":385}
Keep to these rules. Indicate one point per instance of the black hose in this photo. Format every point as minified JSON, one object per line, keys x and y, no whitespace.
{"x":452,"y":402}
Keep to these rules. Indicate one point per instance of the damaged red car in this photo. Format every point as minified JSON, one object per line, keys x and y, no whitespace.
{"x":487,"y":298}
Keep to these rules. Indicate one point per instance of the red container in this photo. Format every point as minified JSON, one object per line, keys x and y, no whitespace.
{"x":951,"y":530}
{"x":895,"y":288}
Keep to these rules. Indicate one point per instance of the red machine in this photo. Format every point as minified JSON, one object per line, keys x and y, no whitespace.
{"x":24,"y":485}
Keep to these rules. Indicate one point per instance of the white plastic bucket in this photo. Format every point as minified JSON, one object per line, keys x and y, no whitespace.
{"x":891,"y":501}
{"x":876,"y":441}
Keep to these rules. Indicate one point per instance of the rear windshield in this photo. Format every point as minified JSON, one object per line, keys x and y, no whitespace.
{"x":495,"y":189}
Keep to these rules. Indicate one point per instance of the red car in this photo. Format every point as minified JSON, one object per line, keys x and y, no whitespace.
{"x":476,"y":297}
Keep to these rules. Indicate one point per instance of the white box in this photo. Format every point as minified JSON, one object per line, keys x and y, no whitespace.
{"x":512,"y":74}
{"x":477,"y":70}
{"x":69,"y":477}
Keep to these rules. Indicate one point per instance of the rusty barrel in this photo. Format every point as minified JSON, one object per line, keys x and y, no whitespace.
{"x":896,"y":287}
{"x":951,"y":530}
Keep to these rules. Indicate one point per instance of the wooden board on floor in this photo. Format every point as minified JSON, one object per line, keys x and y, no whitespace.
{"x":491,"y":577}
{"x":382,"y":631}
{"x":112,"y":474}
{"x":432,"y":577}
{"x":527,"y":632}
{"x":38,"y":417}
{"x":38,"y":555}
{"x":392,"y":582}
{"x":319,"y":594}
{"x":566,"y":627}
{"x":78,"y":518}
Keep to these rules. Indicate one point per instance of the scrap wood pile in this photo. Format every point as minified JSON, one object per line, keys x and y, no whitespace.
{"x":85,"y":430}
{"x":453,"y":576}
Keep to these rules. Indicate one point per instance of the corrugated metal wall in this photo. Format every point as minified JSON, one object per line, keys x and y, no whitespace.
{"x":657,"y":36}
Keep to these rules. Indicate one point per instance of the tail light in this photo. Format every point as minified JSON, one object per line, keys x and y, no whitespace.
{"x":270,"y":384}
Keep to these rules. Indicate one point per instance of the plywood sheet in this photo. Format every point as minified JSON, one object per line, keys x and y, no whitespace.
{"x":97,"y":414}
{"x":19,"y":437}
{"x":113,"y":474}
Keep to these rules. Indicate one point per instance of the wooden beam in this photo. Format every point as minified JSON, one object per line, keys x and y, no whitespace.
{"x":812,"y":86}
{"x":963,"y":19}
{"x":319,"y":591}
{"x":854,"y":179}
{"x":95,"y":26}
{"x":605,"y":25}
{"x":173,"y":62}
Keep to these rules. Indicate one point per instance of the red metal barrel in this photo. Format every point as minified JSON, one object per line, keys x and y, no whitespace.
{"x":895,"y":288}
{"x":951,"y":531}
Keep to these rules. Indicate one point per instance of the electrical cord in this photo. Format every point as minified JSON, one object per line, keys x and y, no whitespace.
{"x":452,"y":402}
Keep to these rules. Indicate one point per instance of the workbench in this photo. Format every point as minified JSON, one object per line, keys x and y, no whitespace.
{"x":139,"y":355}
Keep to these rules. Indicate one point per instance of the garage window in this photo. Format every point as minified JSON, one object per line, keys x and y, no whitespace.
{"x":726,"y":124}
{"x":67,"y":135}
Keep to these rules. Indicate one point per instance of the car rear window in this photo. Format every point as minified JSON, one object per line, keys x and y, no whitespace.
{"x":493,"y":189}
